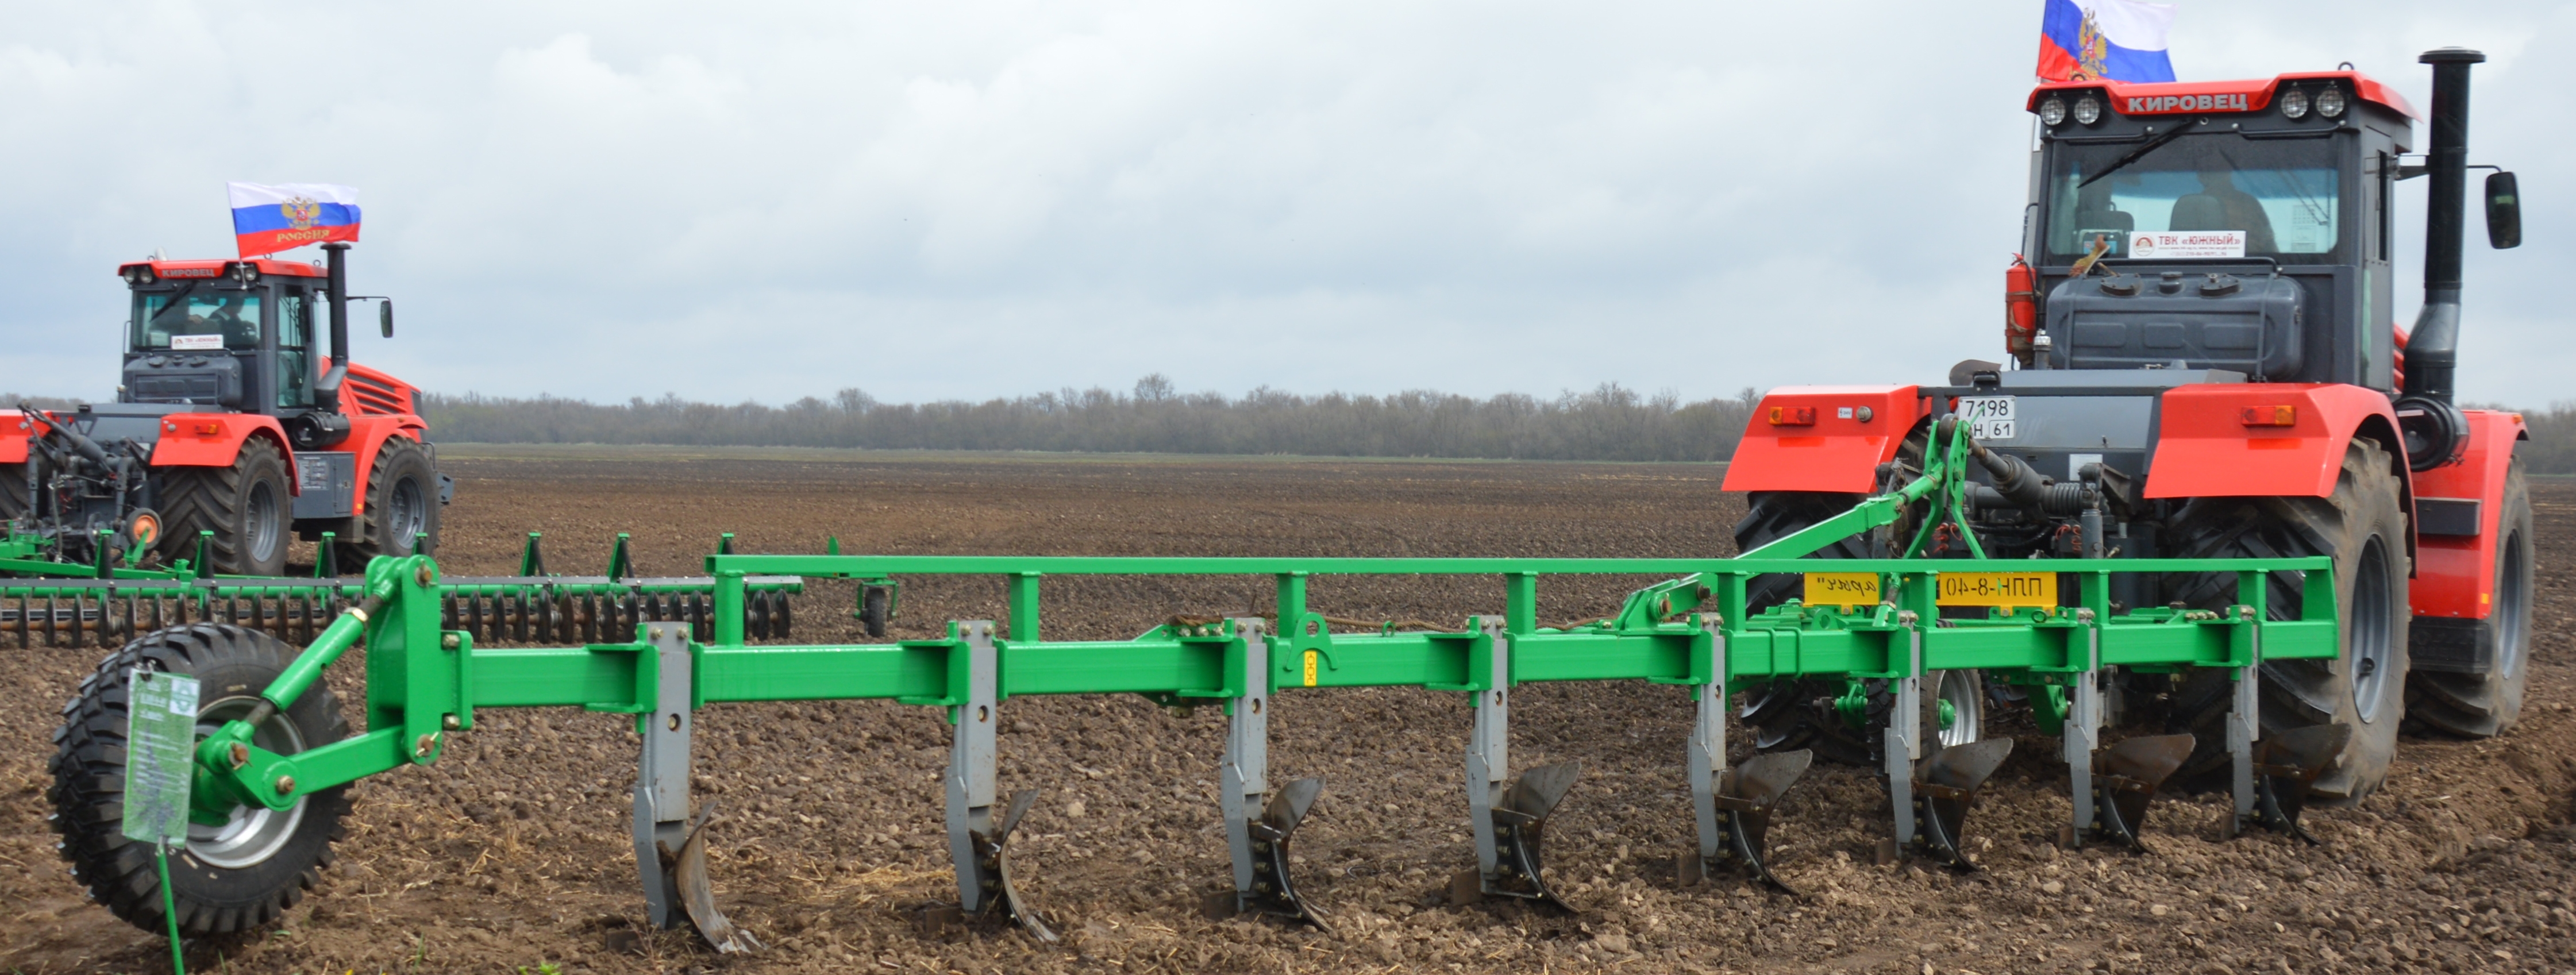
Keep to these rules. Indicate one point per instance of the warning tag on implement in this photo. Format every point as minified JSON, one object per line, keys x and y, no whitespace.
{"x":160,"y":746}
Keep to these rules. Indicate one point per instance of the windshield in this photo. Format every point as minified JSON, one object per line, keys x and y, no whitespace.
{"x":2214,"y":195}
{"x":196,"y":317}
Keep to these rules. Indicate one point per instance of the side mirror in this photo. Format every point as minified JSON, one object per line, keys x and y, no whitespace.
{"x":385,"y":309}
{"x":2504,"y":211}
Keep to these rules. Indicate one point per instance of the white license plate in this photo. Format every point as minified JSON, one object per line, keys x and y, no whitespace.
{"x":1988,"y":417}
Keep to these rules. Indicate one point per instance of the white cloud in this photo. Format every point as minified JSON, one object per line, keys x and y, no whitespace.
{"x":931,"y":200}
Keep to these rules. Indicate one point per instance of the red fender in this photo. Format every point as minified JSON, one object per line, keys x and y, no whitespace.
{"x":1815,"y":438}
{"x":2205,"y":448}
{"x":2454,"y":573}
{"x":215,"y":439}
{"x":15,"y":431}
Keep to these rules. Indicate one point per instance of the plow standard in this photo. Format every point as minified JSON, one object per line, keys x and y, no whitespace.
{"x":270,"y":771}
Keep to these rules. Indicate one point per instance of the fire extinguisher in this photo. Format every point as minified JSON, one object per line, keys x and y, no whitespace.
{"x":2021,"y":309}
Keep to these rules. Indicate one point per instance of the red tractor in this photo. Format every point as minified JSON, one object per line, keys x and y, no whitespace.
{"x":233,"y":418}
{"x":2204,"y":363}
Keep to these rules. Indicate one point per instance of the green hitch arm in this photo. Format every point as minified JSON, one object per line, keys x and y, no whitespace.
{"x":1870,"y":513}
{"x":307,"y":667}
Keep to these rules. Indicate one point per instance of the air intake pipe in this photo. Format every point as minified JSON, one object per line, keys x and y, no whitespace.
{"x":2435,"y":431}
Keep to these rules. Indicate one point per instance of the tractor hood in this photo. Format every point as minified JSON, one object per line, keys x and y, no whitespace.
{"x":2202,"y":319}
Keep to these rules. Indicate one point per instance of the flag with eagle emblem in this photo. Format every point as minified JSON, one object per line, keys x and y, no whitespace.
{"x":2104,"y":40}
{"x":268,"y":219}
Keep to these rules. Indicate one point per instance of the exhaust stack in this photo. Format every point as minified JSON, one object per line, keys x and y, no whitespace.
{"x":2434,"y":429}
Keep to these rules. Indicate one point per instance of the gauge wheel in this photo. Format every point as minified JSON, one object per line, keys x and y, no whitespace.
{"x":230,"y":879}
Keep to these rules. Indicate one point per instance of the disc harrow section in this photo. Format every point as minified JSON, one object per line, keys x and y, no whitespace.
{"x":533,"y":606}
{"x":1693,"y":633}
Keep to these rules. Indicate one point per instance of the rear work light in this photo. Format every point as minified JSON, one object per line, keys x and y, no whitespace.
{"x":1793,"y":416}
{"x":209,"y":429}
{"x":2270,"y":416}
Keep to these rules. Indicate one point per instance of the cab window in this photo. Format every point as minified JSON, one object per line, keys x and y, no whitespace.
{"x":195,"y":317}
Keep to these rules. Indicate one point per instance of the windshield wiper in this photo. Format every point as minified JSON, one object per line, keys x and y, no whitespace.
{"x":176,"y":302}
{"x":2139,"y":153}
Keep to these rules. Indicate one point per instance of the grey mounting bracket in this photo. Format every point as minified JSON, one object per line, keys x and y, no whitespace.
{"x":1509,"y":819}
{"x":1732,"y":806}
{"x":1258,"y":826}
{"x":976,"y":835}
{"x":670,"y":838}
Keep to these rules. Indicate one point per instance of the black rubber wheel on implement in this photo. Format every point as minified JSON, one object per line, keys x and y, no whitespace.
{"x":2363,"y":527}
{"x":247,"y":505}
{"x":402,"y":502}
{"x":2485,"y":705}
{"x":1794,"y":714}
{"x":231,"y":879}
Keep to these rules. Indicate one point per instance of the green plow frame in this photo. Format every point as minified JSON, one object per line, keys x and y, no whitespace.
{"x":426,"y":681}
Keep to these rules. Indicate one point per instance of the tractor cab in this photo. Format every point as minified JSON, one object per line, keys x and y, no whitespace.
{"x":244,"y":336}
{"x":2238,"y":226}
{"x":222,"y":336}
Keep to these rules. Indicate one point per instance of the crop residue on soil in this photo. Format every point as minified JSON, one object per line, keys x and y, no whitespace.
{"x":513,"y":850}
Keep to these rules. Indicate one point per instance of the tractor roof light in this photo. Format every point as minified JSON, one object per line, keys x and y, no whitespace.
{"x":2088,"y":109}
{"x":2052,"y":111}
{"x":244,"y":271}
{"x":2330,"y":102}
{"x":2294,"y":104}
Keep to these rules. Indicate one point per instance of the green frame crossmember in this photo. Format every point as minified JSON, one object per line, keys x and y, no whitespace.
{"x":1693,"y":631}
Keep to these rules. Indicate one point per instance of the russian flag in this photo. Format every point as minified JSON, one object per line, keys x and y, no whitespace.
{"x":2105,"y":40}
{"x":268,"y":219}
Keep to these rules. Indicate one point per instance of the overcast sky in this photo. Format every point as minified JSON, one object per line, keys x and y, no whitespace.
{"x":938,"y":200}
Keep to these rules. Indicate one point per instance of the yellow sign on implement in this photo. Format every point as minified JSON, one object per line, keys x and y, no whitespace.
{"x":1844,"y":589}
{"x":2006,"y":589}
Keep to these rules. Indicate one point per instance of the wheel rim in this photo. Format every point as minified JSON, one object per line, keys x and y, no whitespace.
{"x":2371,"y":628}
{"x":259,"y":522}
{"x":1959,"y":708}
{"x":2512,"y":609}
{"x":407,"y":514}
{"x":253,"y":834}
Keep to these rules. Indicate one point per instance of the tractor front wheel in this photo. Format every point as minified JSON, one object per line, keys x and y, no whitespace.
{"x":231,"y":878}
{"x":247,"y":505}
{"x":2484,"y":705}
{"x":401,"y":506}
{"x":2362,"y":526}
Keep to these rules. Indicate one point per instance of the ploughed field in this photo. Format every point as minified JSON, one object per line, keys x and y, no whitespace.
{"x":513,"y":850}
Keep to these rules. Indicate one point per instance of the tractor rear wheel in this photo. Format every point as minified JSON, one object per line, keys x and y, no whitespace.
{"x":401,"y":504}
{"x":246,"y":505}
{"x":14,"y":499}
{"x":1792,"y":714}
{"x":2484,"y":705}
{"x":232,"y":878}
{"x":2362,"y":526}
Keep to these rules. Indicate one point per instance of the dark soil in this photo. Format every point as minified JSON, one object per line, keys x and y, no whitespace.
{"x":513,"y":850}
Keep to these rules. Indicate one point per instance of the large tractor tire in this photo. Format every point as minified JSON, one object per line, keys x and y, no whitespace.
{"x":2363,"y":528}
{"x":14,"y":499}
{"x":247,"y":505}
{"x":401,"y":503}
{"x":233,"y":878}
{"x":2485,"y":705}
{"x":1794,"y":714}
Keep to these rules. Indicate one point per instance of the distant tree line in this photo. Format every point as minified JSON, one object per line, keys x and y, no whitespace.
{"x":1611,"y":422}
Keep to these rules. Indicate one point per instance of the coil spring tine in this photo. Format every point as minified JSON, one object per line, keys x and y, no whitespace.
{"x":129,"y":619}
{"x":78,"y":604}
{"x":474,"y":616}
{"x":51,"y":639}
{"x":22,"y":622}
{"x":780,"y":618}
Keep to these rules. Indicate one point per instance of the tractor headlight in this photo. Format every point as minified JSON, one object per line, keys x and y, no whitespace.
{"x":2294,"y":104}
{"x":2330,"y":102}
{"x":2088,"y":110}
{"x":2052,"y":111}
